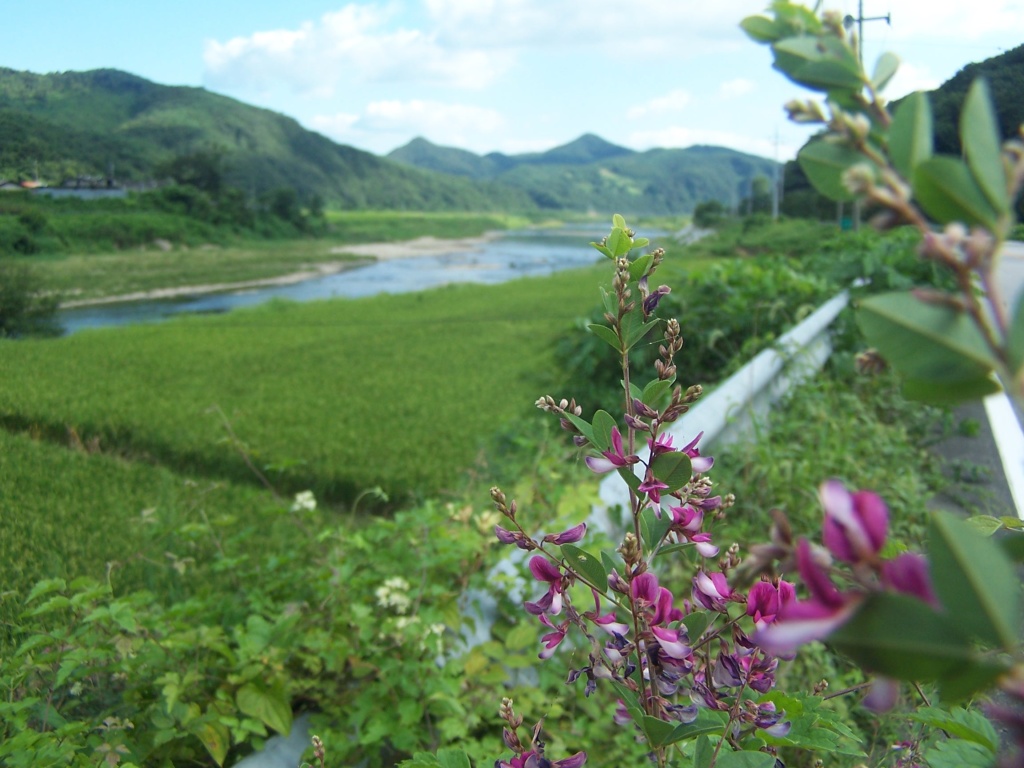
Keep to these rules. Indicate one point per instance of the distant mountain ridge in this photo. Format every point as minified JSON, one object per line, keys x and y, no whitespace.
{"x":105,"y":121}
{"x":87,"y":123}
{"x":592,"y":173}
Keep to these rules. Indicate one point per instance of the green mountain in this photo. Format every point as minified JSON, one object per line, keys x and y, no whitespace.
{"x":1005,"y":76}
{"x":72,"y":124}
{"x":591,"y":173}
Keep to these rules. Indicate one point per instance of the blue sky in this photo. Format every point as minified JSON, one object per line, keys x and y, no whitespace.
{"x":486,"y":75}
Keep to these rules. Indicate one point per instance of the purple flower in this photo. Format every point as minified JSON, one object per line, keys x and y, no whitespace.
{"x":767,"y":719}
{"x":570,"y":536}
{"x":700,"y":463}
{"x":882,"y":695}
{"x":552,"y":639}
{"x":671,"y":643}
{"x":712,"y":590}
{"x":513,"y":537}
{"x":614,"y":458}
{"x":532,"y":760}
{"x":765,"y":600}
{"x":659,"y":445}
{"x":855,"y":524}
{"x":652,"y":299}
{"x":648,"y":594}
{"x":607,"y":622}
{"x":551,"y":602}
{"x":802,"y":621}
{"x":909,"y":574}
{"x":653,"y":487}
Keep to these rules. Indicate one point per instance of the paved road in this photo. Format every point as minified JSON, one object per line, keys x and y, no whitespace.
{"x":1011,"y":272}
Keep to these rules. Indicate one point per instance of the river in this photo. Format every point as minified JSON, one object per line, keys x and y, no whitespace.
{"x":511,"y":255}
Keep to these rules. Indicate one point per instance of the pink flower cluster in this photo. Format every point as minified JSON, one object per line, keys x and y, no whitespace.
{"x":854,"y":531}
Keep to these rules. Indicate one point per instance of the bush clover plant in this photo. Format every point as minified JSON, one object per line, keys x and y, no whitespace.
{"x":694,"y":674}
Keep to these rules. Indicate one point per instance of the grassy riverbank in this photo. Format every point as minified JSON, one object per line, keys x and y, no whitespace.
{"x":162,"y":264}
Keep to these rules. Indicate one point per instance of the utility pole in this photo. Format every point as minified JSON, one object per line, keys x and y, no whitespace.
{"x":777,"y":171}
{"x":848,"y":22}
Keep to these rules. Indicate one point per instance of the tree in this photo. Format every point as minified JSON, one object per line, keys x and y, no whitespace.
{"x":25,"y":310}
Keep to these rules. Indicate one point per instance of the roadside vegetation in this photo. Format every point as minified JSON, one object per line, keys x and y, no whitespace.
{"x":154,"y":481}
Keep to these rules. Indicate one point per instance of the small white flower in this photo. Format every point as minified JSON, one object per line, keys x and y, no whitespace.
{"x":304,"y":502}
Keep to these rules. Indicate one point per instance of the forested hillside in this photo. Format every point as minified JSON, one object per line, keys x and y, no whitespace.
{"x":73,"y":124}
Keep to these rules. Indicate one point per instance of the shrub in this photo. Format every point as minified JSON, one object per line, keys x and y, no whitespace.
{"x":24,"y":309}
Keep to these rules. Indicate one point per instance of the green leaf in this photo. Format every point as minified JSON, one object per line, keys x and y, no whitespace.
{"x":825,"y":163}
{"x":640,"y":242}
{"x":55,"y":603}
{"x":618,"y":222}
{"x":708,"y":722}
{"x":903,"y":638}
{"x":604,"y":422}
{"x":979,"y":137}
{"x":958,"y":754}
{"x":214,"y":736}
{"x":453,"y":758}
{"x":655,"y":391}
{"x":674,"y":469}
{"x":522,"y":636}
{"x":949,"y":392}
{"x":819,"y":63}
{"x":268,"y":705}
{"x":609,"y":562}
{"x":910,"y":136}
{"x":961,"y":723}
{"x":986,"y":525}
{"x":658,"y":732}
{"x":931,"y":345}
{"x":975,"y":581}
{"x":947,"y":191}
{"x":696,"y":624}
{"x":745,"y":760}
{"x":639,"y":267}
{"x":653,"y":528}
{"x":1013,"y":546}
{"x":703,"y":752}
{"x":606,"y":334}
{"x":761,"y":29}
{"x":634,"y":328}
{"x":582,"y":425}
{"x":964,"y":682}
{"x":603,"y":249}
{"x":885,"y":68}
{"x":45,"y":587}
{"x":627,"y":474}
{"x":619,"y":243}
{"x":586,"y":565}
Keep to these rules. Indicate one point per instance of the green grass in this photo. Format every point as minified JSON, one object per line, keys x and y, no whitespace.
{"x":855,"y":428}
{"x":396,"y":391}
{"x":65,"y":513}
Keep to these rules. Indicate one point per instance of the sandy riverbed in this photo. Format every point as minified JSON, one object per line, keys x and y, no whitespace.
{"x":421,"y":246}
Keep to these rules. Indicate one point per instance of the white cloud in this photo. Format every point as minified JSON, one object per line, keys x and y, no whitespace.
{"x":630,"y":29}
{"x":357,"y":43}
{"x":673,"y":101}
{"x":942,"y":20}
{"x":734,"y":89}
{"x":383,"y":124}
{"x":910,"y":78}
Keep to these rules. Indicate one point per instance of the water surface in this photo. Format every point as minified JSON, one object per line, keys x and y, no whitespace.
{"x":511,"y":255}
